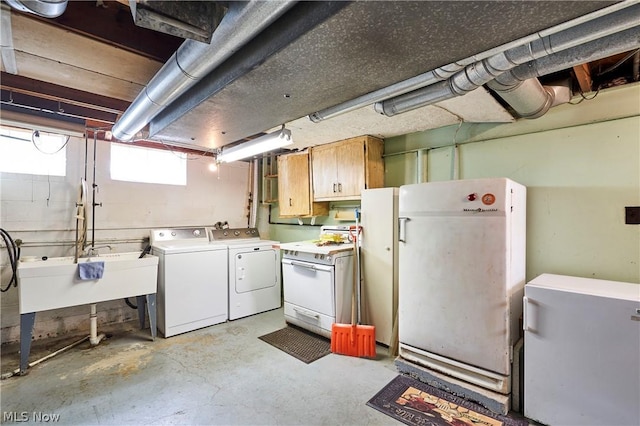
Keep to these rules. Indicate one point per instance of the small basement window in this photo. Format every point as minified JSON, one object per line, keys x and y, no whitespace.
{"x":147,"y":165}
{"x":32,"y":152}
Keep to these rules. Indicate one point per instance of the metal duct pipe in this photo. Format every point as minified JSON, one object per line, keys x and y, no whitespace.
{"x":529,"y":99}
{"x":446,"y":71}
{"x":521,"y":89}
{"x":623,"y":41}
{"x":480,"y":73}
{"x":44,"y":8}
{"x":425,"y":79}
{"x":193,"y":60}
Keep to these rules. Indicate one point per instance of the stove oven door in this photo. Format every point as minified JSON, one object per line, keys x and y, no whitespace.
{"x":309,"y":295}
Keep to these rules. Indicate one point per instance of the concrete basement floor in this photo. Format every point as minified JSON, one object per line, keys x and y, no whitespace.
{"x":219,"y":375}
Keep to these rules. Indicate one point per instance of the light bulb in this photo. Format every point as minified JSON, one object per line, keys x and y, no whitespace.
{"x":213,"y":167}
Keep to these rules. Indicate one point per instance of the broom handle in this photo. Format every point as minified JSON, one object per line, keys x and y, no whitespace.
{"x":353,"y":290}
{"x":359,"y":279}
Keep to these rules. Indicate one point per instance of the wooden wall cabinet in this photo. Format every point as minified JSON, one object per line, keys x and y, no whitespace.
{"x":294,"y":187}
{"x":341,"y":170}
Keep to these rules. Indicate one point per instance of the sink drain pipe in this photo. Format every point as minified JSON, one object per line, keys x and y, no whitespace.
{"x":94,"y":338}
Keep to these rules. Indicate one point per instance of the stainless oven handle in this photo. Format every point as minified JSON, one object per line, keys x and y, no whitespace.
{"x":304,"y":265}
{"x":306,"y":313}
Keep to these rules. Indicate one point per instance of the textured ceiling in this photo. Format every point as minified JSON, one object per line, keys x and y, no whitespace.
{"x":92,"y":62}
{"x":361,"y":48}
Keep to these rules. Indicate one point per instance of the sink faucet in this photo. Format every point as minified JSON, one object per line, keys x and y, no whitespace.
{"x":93,"y":251}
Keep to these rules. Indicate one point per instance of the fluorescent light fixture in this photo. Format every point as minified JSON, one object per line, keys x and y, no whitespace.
{"x":265,"y":143}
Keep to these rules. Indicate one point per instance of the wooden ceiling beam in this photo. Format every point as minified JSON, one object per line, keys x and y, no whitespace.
{"x":583,"y":75}
{"x":112,"y":22}
{"x":36,"y":88}
{"x":36,"y":105}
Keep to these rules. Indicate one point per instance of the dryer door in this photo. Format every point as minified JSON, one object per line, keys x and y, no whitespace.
{"x":254,"y":269}
{"x":254,"y":280}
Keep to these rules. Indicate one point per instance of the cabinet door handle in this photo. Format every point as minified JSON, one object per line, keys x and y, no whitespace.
{"x":334,"y":187}
{"x":290,"y":202}
{"x":339,"y":187}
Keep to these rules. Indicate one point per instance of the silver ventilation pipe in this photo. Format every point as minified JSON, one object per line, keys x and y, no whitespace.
{"x":44,"y":8}
{"x":425,"y":79}
{"x":480,"y":73}
{"x":193,"y":60}
{"x":521,"y":89}
{"x":623,"y":41}
{"x":529,"y":98}
{"x":446,"y":71}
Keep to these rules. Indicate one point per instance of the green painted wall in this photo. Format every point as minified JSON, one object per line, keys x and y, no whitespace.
{"x":581,"y":166}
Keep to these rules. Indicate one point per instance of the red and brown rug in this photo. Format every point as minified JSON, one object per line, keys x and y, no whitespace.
{"x":416,"y":403}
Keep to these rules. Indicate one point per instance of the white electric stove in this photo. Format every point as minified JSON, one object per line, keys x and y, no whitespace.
{"x":317,"y":278}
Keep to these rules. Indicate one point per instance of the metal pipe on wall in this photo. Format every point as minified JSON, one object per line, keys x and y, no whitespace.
{"x":253,"y":215}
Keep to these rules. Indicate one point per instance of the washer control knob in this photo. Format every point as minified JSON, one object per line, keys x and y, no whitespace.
{"x":173,"y":233}
{"x":236,"y":233}
{"x":196,"y":232}
{"x":225,"y":233}
{"x":472,"y":197}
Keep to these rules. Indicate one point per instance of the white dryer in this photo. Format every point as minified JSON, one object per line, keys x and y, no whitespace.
{"x":192,"y":280}
{"x":254,"y":271}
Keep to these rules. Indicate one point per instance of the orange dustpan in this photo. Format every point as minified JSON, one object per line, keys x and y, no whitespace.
{"x":354,"y":339}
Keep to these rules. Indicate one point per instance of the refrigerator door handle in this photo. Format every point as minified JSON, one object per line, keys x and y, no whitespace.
{"x":525,"y":302}
{"x":402,"y":223}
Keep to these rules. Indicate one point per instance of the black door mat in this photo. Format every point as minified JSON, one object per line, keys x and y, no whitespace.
{"x":415,"y":403}
{"x":299,"y":343}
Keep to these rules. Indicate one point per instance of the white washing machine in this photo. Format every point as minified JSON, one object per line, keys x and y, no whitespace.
{"x":254,"y":271}
{"x":192,"y":280}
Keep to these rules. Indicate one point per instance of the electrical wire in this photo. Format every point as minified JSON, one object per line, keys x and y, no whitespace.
{"x":584,"y":98}
{"x":14,"y":256}
{"x":617,"y":64}
{"x":36,"y":134}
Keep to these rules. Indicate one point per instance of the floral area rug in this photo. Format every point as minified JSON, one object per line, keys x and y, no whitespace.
{"x":416,"y":403}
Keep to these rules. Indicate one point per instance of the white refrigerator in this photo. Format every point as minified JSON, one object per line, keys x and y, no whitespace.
{"x":461,"y":277}
{"x":581,"y":351}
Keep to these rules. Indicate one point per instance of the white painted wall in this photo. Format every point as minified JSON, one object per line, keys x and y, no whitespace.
{"x":581,"y":166}
{"x":40,"y":210}
{"x":580,"y":163}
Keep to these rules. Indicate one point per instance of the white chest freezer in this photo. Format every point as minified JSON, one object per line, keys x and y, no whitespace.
{"x":582,"y":351}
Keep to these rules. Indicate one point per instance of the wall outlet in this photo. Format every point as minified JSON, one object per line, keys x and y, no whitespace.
{"x":632,"y":215}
